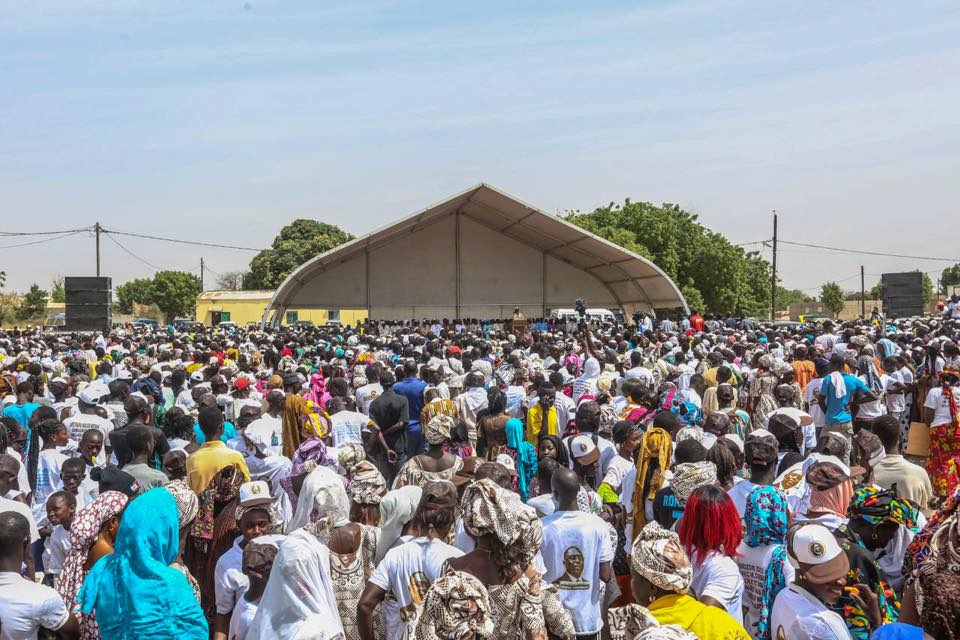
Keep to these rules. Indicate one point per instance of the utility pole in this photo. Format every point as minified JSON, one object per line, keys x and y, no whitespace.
{"x":201,"y":274}
{"x":97,"y":228}
{"x":773,"y":279}
{"x":863,"y":295}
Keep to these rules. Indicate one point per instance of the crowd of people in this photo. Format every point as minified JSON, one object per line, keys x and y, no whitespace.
{"x":684,"y":478}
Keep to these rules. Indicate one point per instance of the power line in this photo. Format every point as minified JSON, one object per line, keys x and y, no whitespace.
{"x":24,"y":244}
{"x":193,"y":242}
{"x":132,"y":254}
{"x":868,"y":253}
{"x":43,"y":233}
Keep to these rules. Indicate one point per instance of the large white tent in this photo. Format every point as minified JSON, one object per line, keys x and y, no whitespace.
{"x":477,"y":254}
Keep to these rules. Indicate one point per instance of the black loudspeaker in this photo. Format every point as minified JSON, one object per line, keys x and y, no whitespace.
{"x":902,"y":294}
{"x":88,"y":303}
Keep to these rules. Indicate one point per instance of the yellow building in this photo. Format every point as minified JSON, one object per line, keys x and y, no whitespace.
{"x":244,"y":307}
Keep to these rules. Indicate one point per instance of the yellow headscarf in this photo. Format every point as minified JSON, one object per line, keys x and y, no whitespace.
{"x":655,"y":445}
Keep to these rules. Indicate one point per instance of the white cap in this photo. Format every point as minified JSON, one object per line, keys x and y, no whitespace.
{"x":814,"y":545}
{"x":584,"y":450}
{"x":196,"y":376}
{"x":255,"y":493}
{"x":735,"y":439}
{"x":92,"y":393}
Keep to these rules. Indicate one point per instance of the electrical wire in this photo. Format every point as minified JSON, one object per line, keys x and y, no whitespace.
{"x":24,"y":244}
{"x":132,"y":254}
{"x":868,"y":253}
{"x":43,"y":233}
{"x":193,"y":242}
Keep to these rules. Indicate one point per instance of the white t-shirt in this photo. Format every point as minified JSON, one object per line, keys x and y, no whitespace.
{"x":48,"y":481}
{"x":229,"y":580}
{"x":406,"y":573}
{"x":718,"y":577}
{"x":738,"y":493}
{"x":640,"y":373}
{"x":616,"y":470}
{"x":242,"y":616}
{"x":25,"y":606}
{"x":516,"y":397}
{"x":24,"y":510}
{"x":875,"y":408}
{"x":896,"y":402}
{"x":348,"y":426}
{"x":753,"y":563}
{"x":80,"y":423}
{"x":367,"y":394}
{"x":574,"y":546}
{"x":55,"y":550}
{"x":798,"y":615}
{"x":941,"y":406}
{"x":813,"y":407}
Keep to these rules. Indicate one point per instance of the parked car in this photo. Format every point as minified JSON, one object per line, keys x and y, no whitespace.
{"x":147,"y":323}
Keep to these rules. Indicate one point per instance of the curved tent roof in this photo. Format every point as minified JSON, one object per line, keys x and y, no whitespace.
{"x":477,"y":254}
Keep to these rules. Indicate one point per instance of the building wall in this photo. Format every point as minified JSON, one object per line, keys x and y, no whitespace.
{"x":851,"y":309}
{"x":247,"y":310}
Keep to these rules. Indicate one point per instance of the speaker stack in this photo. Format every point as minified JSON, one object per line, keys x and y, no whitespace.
{"x":902,"y":294}
{"x":88,"y":303}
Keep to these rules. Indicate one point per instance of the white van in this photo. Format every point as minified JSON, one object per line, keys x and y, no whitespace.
{"x":593,"y":315}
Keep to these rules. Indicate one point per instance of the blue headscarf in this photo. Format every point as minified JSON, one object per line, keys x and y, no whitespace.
{"x":526,"y":458}
{"x":766,"y":520}
{"x":134,"y":591}
{"x":897,"y":631}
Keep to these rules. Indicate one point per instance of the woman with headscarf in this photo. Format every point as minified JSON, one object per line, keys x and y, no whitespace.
{"x":298,"y":602}
{"x":942,"y":417}
{"x":324,"y":511}
{"x":653,"y":459}
{"x":660,"y":577}
{"x":524,"y":458}
{"x":397,"y":509}
{"x":134,"y":591}
{"x":435,"y":464}
{"x":456,"y":607}
{"x":762,"y":557}
{"x":875,"y":515}
{"x":936,"y":549}
{"x":366,"y":489}
{"x":760,"y":397}
{"x":830,"y":492}
{"x":188,"y":506}
{"x":92,"y":536}
{"x":586,"y":384}
{"x":311,"y":454}
{"x":507,"y":535}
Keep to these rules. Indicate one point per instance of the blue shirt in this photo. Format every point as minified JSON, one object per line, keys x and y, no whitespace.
{"x":838,"y":411}
{"x":412,"y":390}
{"x":228,"y":433}
{"x":21,"y":413}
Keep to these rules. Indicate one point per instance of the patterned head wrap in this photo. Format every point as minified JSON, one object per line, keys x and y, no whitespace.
{"x":666,"y":632}
{"x":367,"y":485}
{"x":83,"y":533}
{"x":350,"y":455}
{"x":766,"y":520}
{"x":188,"y":505}
{"x":437,"y":431}
{"x":656,"y":448}
{"x":456,"y":607}
{"x":488,"y":509}
{"x":658,"y":557}
{"x":876,"y":506}
{"x":689,"y":476}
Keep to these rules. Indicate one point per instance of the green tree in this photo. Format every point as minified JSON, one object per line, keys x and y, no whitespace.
{"x":57,"y":292}
{"x":831,"y":295}
{"x":927,"y":288}
{"x":175,"y":293}
{"x":138,"y":291}
{"x":295,"y":244}
{"x":950,"y":276}
{"x":713,"y":274}
{"x":33,"y":304}
{"x":787,"y":297}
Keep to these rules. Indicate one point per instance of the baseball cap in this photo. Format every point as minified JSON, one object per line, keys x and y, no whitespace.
{"x":505,"y":460}
{"x":584,"y":450}
{"x":93,"y":392}
{"x":113,"y":479}
{"x":255,"y":493}
{"x":259,"y":553}
{"x":241,"y":383}
{"x":829,"y":471}
{"x":815,"y":552}
{"x":196,"y":376}
{"x":9,"y":464}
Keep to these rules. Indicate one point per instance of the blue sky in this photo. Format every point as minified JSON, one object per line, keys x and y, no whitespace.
{"x":223,"y":121}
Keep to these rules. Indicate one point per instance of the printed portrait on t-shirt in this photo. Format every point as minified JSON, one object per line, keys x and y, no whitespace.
{"x":418,"y":585}
{"x":573,"y":566}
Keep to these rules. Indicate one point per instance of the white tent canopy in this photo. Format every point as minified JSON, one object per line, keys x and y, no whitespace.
{"x":477,"y":254}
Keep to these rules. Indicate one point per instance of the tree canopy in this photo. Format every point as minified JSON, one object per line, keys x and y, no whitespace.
{"x":831,"y":295}
{"x":174,"y":292}
{"x":295,"y":244}
{"x":713,"y":274}
{"x":138,"y":291}
{"x":34,"y":303}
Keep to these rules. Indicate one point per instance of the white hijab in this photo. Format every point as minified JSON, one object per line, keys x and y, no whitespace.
{"x":396,"y":509}
{"x":322,"y":493}
{"x":298,"y":602}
